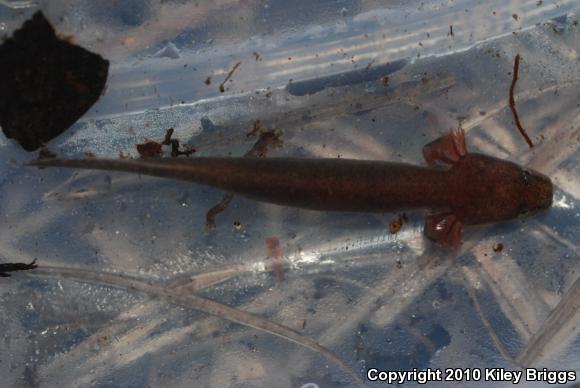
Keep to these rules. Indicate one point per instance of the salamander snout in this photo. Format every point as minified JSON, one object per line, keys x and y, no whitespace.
{"x":536,"y":194}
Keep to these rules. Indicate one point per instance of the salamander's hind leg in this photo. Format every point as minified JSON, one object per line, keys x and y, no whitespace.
{"x":448,"y":149}
{"x":444,"y":229}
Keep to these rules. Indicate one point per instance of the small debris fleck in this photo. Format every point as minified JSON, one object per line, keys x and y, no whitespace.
{"x":385,"y":81}
{"x":275,"y":253}
{"x":396,"y":224}
{"x":167,"y":139}
{"x":149,"y":149}
{"x":273,"y":247}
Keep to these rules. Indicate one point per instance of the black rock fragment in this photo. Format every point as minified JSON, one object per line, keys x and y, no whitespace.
{"x":46,"y":83}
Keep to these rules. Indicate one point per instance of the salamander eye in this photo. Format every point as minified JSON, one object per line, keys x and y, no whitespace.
{"x":526,"y":177}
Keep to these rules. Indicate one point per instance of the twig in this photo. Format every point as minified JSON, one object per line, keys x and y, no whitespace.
{"x":222,"y":85}
{"x":217,"y":209}
{"x":486,"y":323}
{"x":513,"y":102}
{"x":199,"y":303}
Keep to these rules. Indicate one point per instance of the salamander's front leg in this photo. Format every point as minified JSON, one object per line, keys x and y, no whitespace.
{"x":448,"y":149}
{"x":445,"y":228}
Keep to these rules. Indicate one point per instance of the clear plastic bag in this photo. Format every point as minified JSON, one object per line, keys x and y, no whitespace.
{"x":133,"y":291}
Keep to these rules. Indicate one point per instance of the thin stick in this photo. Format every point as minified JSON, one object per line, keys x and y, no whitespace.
{"x":513,"y":102}
{"x":222,"y":85}
{"x":217,"y":209}
{"x":200,"y":303}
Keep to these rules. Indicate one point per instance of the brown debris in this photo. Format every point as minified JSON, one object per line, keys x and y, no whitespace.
{"x":512,"y":102}
{"x":149,"y":149}
{"x":153,"y":149}
{"x":229,"y":76}
{"x":217,"y":209}
{"x":275,"y":253}
{"x":175,"y":145}
{"x":268,"y":138}
{"x":385,"y":81}
{"x":167,"y":139}
{"x":273,"y":246}
{"x":396,"y":224}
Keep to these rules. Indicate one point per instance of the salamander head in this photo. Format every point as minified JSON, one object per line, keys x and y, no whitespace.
{"x":499,"y":190}
{"x":536,"y":192}
{"x":480,"y":189}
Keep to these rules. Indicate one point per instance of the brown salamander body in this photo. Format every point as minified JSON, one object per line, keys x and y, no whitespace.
{"x":475,"y":189}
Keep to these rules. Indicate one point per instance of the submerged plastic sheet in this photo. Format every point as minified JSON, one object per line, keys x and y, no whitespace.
{"x":132,"y":291}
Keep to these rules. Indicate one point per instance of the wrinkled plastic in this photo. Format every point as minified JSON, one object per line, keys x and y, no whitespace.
{"x":133,"y":291}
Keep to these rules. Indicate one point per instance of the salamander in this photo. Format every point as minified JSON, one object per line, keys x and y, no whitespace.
{"x":458,"y":187}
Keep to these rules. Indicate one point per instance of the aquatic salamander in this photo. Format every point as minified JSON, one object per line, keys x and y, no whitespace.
{"x":472,"y":189}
